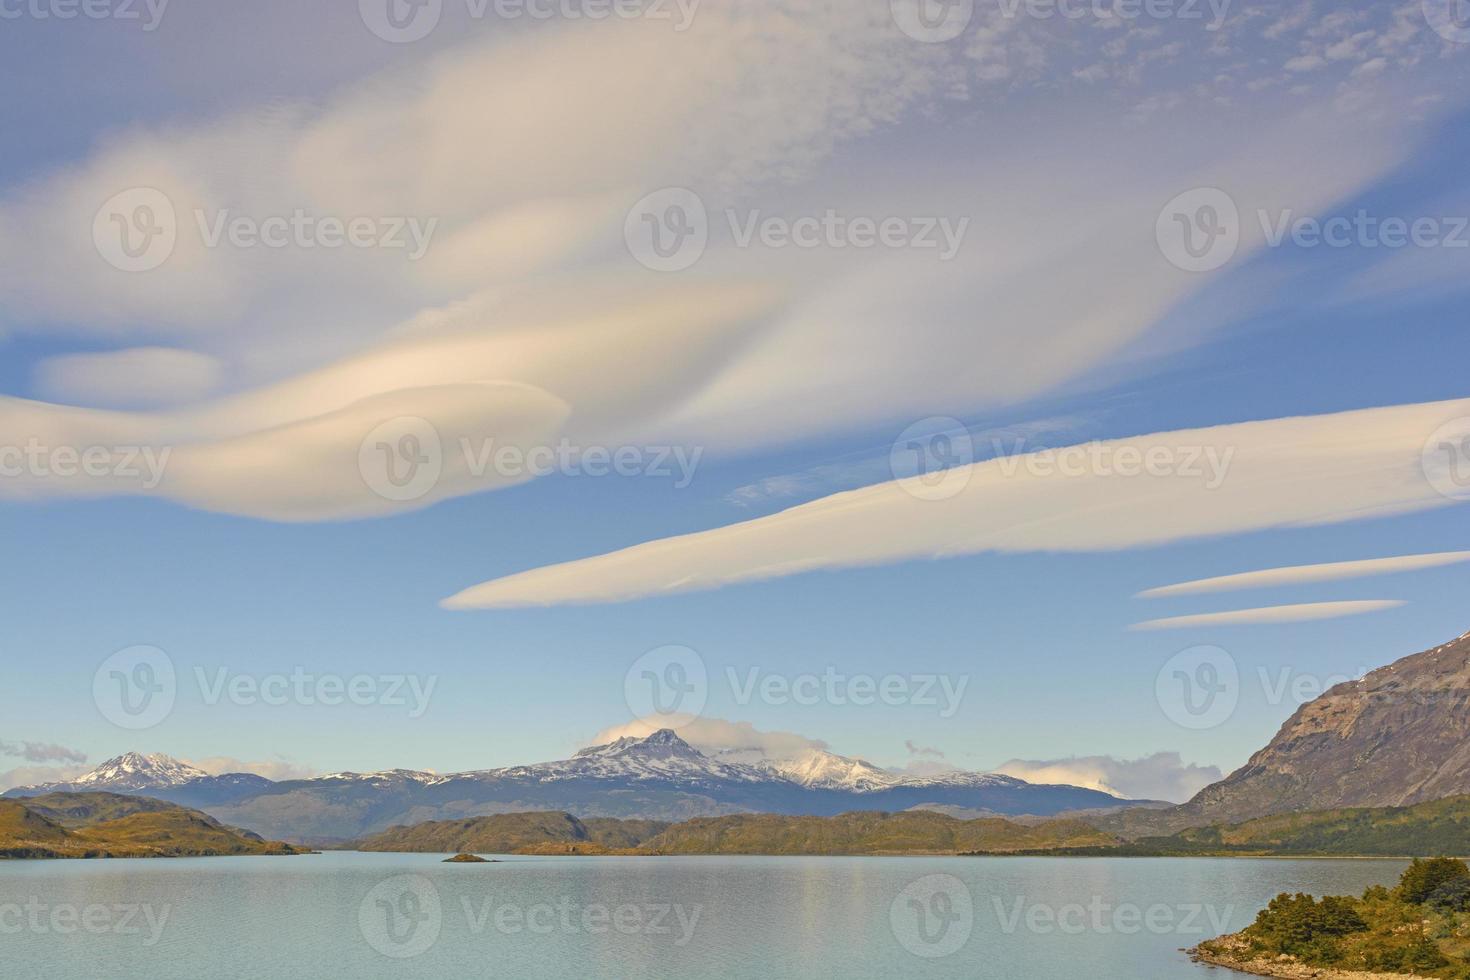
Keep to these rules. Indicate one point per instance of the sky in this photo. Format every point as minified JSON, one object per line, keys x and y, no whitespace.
{"x":819,"y":374}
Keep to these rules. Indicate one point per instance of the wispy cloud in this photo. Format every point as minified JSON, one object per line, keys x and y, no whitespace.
{"x":1304,"y":574}
{"x":1311,"y":470}
{"x":1300,"y":613}
{"x":42,"y":752}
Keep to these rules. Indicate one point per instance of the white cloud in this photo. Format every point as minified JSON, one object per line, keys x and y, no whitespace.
{"x":1296,"y":471}
{"x":1161,"y":776}
{"x":527,"y":321}
{"x":34,"y":775}
{"x":1300,"y":613}
{"x":1304,"y":574}
{"x":138,"y":377}
{"x":276,"y":769}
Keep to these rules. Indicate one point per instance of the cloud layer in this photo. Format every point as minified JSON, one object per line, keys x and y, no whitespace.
{"x":1306,"y":574}
{"x":1161,"y":776}
{"x":1296,"y":471}
{"x":1300,"y":613}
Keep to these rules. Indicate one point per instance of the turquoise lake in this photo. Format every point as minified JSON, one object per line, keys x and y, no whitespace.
{"x":409,"y":915}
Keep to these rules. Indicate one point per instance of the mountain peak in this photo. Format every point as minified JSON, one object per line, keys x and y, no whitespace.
{"x":664,"y":743}
{"x":135,"y":770}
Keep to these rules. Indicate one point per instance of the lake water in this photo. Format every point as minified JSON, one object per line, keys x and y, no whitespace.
{"x":409,"y":915}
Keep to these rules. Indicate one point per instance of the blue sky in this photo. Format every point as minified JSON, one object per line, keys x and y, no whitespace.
{"x":1062,"y":320}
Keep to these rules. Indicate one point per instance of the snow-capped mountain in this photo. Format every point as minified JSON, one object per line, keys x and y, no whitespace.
{"x":154,"y":775}
{"x":657,"y":777}
{"x":135,"y":771}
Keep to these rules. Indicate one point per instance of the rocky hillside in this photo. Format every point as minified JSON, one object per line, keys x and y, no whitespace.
{"x":1396,"y":737}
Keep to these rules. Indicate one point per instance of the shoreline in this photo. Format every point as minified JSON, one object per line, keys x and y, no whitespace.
{"x":1286,"y":968}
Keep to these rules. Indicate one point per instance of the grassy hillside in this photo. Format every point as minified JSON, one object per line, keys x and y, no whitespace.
{"x":851,"y":833}
{"x":1438,"y":827}
{"x":93,"y":825}
{"x":506,"y":833}
{"x":911,"y":832}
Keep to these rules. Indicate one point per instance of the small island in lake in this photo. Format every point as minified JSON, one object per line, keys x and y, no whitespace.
{"x":468,"y":859}
{"x":1419,"y":929}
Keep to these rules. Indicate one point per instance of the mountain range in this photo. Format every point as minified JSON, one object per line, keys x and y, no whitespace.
{"x":660,"y":777}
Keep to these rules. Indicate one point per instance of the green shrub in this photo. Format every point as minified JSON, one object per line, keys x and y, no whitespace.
{"x":1452,"y":896}
{"x":1302,"y":926}
{"x":1424,"y":877}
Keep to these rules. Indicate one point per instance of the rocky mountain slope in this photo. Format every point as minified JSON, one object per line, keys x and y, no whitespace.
{"x":1396,"y":737}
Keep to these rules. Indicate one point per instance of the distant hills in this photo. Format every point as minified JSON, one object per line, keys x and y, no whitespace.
{"x":916,"y":832}
{"x":1438,"y":827}
{"x":110,"y":825}
{"x":660,"y":777}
